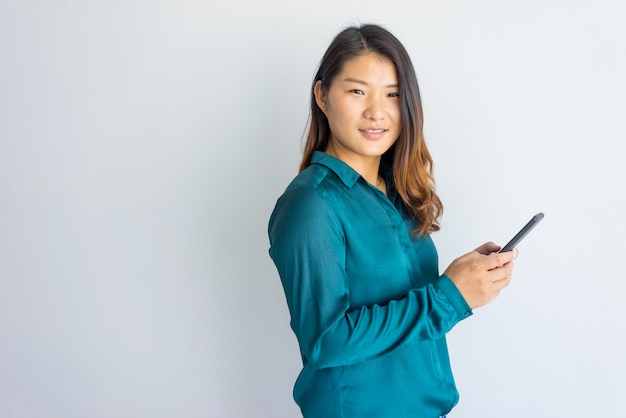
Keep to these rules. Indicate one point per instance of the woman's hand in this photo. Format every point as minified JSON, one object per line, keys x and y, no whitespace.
{"x":481,"y":274}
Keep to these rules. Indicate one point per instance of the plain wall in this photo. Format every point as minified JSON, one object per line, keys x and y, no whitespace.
{"x":142,"y":148}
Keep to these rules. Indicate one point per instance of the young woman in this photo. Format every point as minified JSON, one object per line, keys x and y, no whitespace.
{"x":350,"y":238}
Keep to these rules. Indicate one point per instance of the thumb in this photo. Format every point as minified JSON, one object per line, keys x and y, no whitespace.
{"x":487,"y":248}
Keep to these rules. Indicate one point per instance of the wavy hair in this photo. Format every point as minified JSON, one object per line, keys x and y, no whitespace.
{"x":409,"y":157}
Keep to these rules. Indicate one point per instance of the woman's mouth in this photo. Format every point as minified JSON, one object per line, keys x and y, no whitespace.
{"x":373,"y":133}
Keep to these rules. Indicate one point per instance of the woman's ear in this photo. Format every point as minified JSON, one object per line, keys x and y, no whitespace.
{"x":320,"y":95}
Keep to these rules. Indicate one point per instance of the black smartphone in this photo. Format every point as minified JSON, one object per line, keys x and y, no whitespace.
{"x":522,"y":233}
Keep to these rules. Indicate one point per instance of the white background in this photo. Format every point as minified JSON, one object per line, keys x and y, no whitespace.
{"x":143,"y":145}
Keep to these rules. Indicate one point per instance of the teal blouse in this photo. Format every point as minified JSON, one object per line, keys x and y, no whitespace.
{"x":367,"y":303}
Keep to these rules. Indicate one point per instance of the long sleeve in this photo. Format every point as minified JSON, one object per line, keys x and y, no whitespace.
{"x":309,"y":247}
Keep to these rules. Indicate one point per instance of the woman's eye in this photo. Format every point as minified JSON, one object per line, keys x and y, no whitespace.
{"x":357,"y":91}
{"x":394,"y":94}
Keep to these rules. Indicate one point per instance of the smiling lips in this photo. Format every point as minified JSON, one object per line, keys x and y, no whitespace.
{"x":373,"y":133}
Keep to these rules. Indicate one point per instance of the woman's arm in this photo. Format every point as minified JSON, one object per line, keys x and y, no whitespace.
{"x":308,"y":248}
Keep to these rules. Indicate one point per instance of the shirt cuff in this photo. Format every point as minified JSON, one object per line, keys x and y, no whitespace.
{"x":449,"y":289}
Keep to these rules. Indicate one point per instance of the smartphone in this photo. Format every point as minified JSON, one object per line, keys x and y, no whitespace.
{"x":522,"y":233}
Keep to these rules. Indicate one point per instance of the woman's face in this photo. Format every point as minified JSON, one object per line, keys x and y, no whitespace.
{"x":363,"y":109}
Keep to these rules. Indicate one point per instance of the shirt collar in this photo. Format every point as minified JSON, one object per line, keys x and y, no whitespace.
{"x":347,"y":175}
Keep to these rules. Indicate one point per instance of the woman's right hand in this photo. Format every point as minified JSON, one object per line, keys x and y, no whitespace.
{"x":481,"y":274}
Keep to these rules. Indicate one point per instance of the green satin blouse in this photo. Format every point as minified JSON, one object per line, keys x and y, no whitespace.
{"x":368,"y":305}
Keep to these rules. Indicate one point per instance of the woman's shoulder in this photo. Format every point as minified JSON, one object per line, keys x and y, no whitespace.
{"x":313,"y":182}
{"x":312,"y":191}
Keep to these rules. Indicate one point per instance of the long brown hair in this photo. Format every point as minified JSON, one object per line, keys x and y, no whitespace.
{"x":409,"y":157}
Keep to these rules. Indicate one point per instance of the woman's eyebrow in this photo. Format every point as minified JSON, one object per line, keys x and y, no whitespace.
{"x":358,"y":81}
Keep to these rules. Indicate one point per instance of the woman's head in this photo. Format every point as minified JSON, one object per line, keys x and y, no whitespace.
{"x":347,"y":45}
{"x":362,"y":109}
{"x":409,"y":156}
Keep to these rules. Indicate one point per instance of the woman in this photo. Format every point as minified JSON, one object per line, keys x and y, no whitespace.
{"x":350,"y":238}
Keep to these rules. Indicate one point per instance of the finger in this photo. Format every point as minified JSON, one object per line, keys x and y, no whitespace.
{"x":498,"y":285}
{"x":504,"y":272}
{"x":513,"y":254}
{"x":499,"y":259}
{"x":487,"y":248}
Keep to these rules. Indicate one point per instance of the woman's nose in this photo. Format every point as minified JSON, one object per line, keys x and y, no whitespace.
{"x":375,"y":109}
